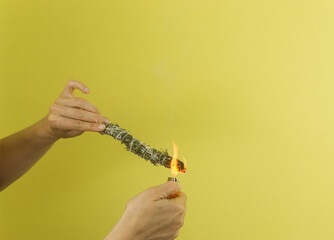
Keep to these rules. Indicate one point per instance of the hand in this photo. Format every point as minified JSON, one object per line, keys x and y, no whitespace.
{"x":70,"y":116}
{"x":155,"y":214}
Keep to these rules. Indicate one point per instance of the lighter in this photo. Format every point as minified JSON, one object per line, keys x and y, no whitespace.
{"x":172,"y":179}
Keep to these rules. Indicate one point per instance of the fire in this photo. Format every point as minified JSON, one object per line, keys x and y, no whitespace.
{"x":173,"y":164}
{"x":185,"y":163}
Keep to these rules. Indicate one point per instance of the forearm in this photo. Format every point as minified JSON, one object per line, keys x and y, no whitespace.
{"x":20,"y":151}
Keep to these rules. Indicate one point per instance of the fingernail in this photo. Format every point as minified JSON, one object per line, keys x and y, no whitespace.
{"x":101,"y":126}
{"x":86,"y":90}
{"x":179,"y":184}
{"x":106,"y":121}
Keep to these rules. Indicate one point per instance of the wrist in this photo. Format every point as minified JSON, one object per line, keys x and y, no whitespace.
{"x":43,"y":131}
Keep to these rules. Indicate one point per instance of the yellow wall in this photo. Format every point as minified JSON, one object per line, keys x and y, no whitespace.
{"x":244,"y":88}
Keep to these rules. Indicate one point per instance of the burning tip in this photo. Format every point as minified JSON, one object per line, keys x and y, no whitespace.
{"x":181,"y":167}
{"x":176,"y":165}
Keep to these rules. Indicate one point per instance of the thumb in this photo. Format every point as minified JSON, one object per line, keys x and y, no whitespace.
{"x":166,"y":190}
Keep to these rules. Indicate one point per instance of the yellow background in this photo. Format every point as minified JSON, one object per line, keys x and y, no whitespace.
{"x":244,"y":88}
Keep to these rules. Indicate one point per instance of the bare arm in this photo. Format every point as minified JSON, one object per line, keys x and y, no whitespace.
{"x":68,"y":117}
{"x":20,"y":151}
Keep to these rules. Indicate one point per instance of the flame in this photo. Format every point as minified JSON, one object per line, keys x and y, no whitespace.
{"x":173,"y":164}
{"x":184,"y":162}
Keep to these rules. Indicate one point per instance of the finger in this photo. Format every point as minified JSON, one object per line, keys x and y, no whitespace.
{"x":77,"y":114}
{"x":180,"y":198}
{"x":165,"y":190}
{"x":63,"y":123}
{"x":179,"y":203}
{"x":71,"y":85}
{"x":78,"y":103}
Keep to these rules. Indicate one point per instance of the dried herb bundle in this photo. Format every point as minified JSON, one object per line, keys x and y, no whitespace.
{"x":141,"y":149}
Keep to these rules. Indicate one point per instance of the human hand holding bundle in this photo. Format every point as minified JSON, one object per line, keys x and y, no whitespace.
{"x":71,"y":116}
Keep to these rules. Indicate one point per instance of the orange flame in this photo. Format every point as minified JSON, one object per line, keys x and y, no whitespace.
{"x":173,"y":164}
{"x":185,"y":163}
